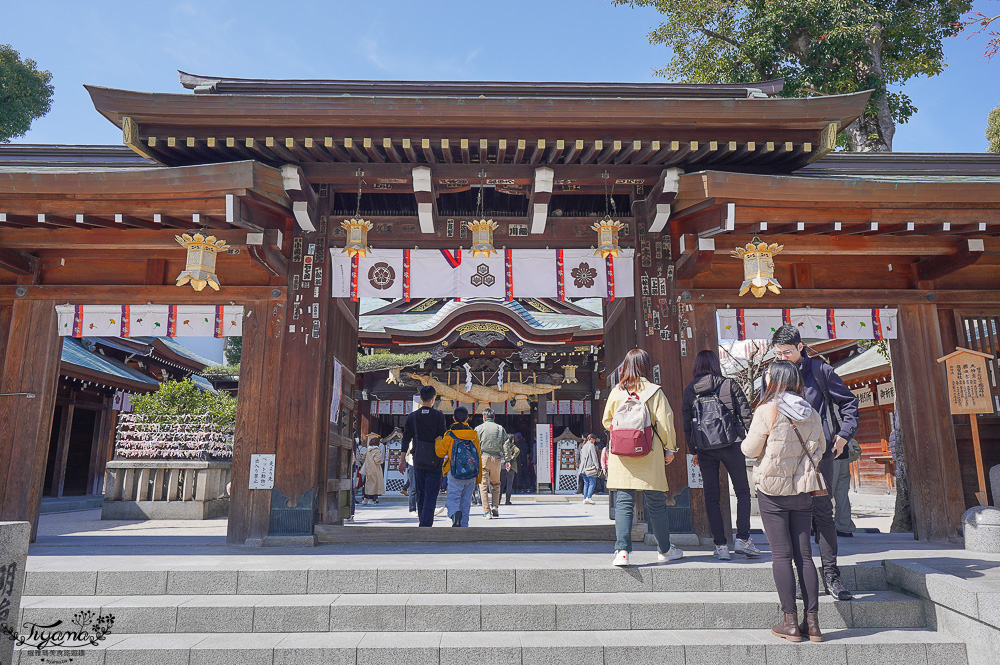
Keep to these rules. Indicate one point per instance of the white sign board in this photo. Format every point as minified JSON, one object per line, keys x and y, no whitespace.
{"x":261,"y":472}
{"x":866,"y":398}
{"x":695,"y":480}
{"x":886,"y":393}
{"x":544,"y":472}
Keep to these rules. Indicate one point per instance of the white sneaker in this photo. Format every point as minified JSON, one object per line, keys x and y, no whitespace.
{"x":672,"y":555}
{"x":589,"y":502}
{"x":440,"y":511}
{"x":348,"y":520}
{"x":747,"y":548}
{"x":621,"y":558}
{"x":722,"y":553}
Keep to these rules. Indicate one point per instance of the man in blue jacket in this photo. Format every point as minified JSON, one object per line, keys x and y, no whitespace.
{"x":824,"y":390}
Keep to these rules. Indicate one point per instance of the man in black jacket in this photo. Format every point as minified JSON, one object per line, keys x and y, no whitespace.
{"x":823,"y":390}
{"x":423,"y":427}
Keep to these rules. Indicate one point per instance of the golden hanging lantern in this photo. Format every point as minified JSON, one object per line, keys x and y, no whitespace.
{"x":607,"y":237}
{"x":357,"y":237}
{"x":482,"y":237}
{"x":199,"y":267}
{"x":758,"y":267}
{"x":569,"y":374}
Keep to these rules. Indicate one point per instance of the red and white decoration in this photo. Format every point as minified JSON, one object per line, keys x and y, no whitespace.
{"x":517,"y":273}
{"x":743,"y":324}
{"x":150,"y":320}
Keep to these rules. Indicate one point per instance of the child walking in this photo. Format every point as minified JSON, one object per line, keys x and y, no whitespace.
{"x":460,"y":449}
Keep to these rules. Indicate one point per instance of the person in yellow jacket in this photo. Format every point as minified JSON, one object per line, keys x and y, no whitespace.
{"x":626,"y":475}
{"x":461,"y":451}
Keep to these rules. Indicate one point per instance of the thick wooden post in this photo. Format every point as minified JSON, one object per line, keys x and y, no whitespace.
{"x":256,"y":418}
{"x":31,"y":350}
{"x":928,"y":433}
{"x":62,"y":447}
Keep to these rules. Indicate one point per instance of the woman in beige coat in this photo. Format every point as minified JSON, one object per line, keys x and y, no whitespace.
{"x":786,"y":440}
{"x":626,"y":475}
{"x":374,"y":476}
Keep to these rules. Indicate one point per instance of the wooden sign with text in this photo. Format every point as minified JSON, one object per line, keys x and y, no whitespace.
{"x":968,"y":382}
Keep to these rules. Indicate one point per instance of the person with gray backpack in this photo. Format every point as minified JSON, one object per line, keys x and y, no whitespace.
{"x":714,"y":414}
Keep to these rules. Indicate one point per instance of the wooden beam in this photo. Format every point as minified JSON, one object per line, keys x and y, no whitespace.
{"x":138,"y":294}
{"x":130,"y":137}
{"x":279,"y":149}
{"x":18,"y":262}
{"x":501,"y":151}
{"x":827,"y":142}
{"x":644,"y":154}
{"x":591,"y":152}
{"x":609,"y":152}
{"x":519,"y":151}
{"x":463,"y":149}
{"x":484,"y":151}
{"x":706,"y":219}
{"x":304,"y":199}
{"x":429,"y":156}
{"x":410,"y":153}
{"x":390,"y":150}
{"x":571,"y":153}
{"x":627,"y":151}
{"x":680,"y":154}
{"x":352,"y":149}
{"x":557,"y":152}
{"x":446,"y":153}
{"x":852,"y":297}
{"x":696,"y":256}
{"x":423,"y":191}
{"x":265,"y":248}
{"x":541,"y":194}
{"x":966,"y":253}
{"x":660,"y":197}
{"x":537,"y":152}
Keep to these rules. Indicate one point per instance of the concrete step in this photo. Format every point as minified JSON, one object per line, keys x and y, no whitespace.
{"x":466,"y":612}
{"x":702,"y":575}
{"x":693,"y":647}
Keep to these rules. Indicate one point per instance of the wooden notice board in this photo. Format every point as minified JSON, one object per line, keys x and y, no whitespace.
{"x":969,"y":393}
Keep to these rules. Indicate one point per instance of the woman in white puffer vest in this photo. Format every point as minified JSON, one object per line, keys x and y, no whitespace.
{"x":786,"y":440}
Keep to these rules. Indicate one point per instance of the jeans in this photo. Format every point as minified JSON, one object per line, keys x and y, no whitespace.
{"x":734,"y":460}
{"x":822,"y":511}
{"x":786,"y":522}
{"x":840,"y":489}
{"x":412,"y":487}
{"x":656,"y":517}
{"x":589,"y":485}
{"x":506,"y":482}
{"x":427,"y":485}
{"x":460,"y":497}
{"x":490,"y":489}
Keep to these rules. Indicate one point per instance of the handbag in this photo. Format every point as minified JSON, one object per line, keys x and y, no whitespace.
{"x":854,"y":451}
{"x":822,"y":491}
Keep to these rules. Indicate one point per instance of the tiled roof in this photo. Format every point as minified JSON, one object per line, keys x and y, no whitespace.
{"x":419,"y":321}
{"x":74,"y":353}
{"x":203,"y":383}
{"x":865,"y":361}
{"x":179,"y":349}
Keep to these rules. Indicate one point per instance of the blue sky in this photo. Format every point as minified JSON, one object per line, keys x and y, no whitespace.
{"x":141,"y":45}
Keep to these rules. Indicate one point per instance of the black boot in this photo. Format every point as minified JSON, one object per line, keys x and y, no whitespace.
{"x":456,"y":519}
{"x":836,"y":588}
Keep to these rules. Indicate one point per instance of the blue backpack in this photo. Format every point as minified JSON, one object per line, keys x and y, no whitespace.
{"x":464,"y":459}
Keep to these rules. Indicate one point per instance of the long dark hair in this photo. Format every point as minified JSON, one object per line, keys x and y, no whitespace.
{"x":783,"y":377}
{"x":636,"y":367}
{"x":707,"y":362}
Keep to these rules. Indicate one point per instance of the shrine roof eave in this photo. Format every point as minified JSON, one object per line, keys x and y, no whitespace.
{"x":479,"y":113}
{"x":249,"y":86}
{"x":845,"y":191}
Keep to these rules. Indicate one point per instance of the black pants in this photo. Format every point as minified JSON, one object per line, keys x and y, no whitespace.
{"x":826,"y":527}
{"x":428,"y":485}
{"x":734,"y":460}
{"x":506,"y":482}
{"x":787,"y":521}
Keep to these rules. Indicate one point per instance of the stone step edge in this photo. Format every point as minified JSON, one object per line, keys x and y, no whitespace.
{"x":649,"y":648}
{"x":679,"y":577}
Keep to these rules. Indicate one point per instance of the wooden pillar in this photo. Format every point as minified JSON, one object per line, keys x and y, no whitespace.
{"x":929,"y":446}
{"x":31,"y":350}
{"x":256,"y":418}
{"x":62,"y":447}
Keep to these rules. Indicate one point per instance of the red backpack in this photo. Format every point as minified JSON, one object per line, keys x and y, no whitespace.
{"x":631,"y":428}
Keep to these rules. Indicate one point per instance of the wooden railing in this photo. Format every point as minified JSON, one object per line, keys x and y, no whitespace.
{"x":166,"y":489}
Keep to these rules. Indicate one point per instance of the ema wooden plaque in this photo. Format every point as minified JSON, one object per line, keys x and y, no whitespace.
{"x":968,"y":382}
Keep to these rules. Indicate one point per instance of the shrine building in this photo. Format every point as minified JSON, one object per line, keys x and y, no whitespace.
{"x":521,"y":238}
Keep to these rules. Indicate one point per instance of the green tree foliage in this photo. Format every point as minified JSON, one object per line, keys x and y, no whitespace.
{"x":25,"y":93}
{"x":233,"y":350}
{"x":993,"y":130}
{"x":175,"y":398}
{"x":376,"y":362}
{"x":820,"y":47}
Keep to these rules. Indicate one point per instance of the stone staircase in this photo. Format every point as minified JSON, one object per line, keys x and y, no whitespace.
{"x":686,"y":612}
